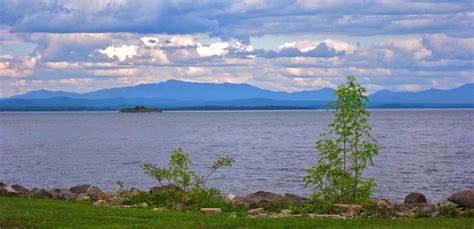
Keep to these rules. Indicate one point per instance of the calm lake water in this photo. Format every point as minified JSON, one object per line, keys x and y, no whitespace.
{"x":429,"y":151}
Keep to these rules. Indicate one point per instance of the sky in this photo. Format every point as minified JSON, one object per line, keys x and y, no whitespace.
{"x":288,"y":45}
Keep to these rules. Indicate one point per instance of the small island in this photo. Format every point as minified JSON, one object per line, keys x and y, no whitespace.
{"x":139,"y":109}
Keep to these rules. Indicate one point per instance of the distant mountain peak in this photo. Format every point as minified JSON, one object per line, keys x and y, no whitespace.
{"x":177,"y":90}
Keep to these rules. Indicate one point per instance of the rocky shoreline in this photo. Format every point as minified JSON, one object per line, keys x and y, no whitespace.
{"x":414,"y":205}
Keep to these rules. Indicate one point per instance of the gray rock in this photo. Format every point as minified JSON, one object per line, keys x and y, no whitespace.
{"x":295,"y":199}
{"x":95,"y":193}
{"x":261,"y":199}
{"x":62,"y":194}
{"x":22,"y":191}
{"x":40,"y":193}
{"x":165,"y":188}
{"x":80,"y":188}
{"x":415,"y":198}
{"x":464,"y":199}
{"x":9,"y":191}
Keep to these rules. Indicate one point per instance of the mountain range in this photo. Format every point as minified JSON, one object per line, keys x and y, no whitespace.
{"x":174,"y":94}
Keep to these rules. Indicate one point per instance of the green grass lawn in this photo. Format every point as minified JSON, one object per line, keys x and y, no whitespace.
{"x":24,"y":212}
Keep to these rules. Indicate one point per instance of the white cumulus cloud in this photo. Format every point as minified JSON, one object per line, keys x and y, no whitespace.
{"x":215,"y":49}
{"x":121,"y":53}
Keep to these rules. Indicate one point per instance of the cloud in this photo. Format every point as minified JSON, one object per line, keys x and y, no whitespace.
{"x":324,"y":49}
{"x":240,"y":20}
{"x":444,"y":47}
{"x":215,"y":49}
{"x":17,"y":66}
{"x":120,"y":53}
{"x":82,"y":46}
{"x":76,"y":46}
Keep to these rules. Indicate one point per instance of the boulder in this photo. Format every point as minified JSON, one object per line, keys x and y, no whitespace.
{"x":256,"y":211}
{"x":464,"y":199}
{"x":80,"y":188}
{"x":239,"y":200}
{"x":211,"y":211}
{"x":165,"y":188}
{"x":9,"y":191}
{"x":415,"y":198}
{"x":22,"y":191}
{"x":95,"y":193}
{"x":62,"y":194}
{"x":40,"y":193}
{"x":295,"y":199}
{"x":264,"y":196}
{"x":260,"y":199}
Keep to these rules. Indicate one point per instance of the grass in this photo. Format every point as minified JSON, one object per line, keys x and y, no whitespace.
{"x":45,"y":213}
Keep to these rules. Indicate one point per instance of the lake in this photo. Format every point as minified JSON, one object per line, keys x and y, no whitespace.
{"x":428,"y":151}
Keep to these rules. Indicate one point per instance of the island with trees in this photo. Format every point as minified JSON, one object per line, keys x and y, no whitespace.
{"x":139,"y":109}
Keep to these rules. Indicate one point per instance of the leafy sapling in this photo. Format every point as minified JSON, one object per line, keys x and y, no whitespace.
{"x":346,"y":150}
{"x":179,"y":172}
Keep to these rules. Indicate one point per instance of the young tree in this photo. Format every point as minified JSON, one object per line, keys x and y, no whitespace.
{"x":346,"y":150}
{"x":179,"y":172}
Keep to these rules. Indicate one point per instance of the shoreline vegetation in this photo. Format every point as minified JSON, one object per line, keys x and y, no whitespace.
{"x":88,"y":205}
{"x":340,"y":189}
{"x":40,"y":213}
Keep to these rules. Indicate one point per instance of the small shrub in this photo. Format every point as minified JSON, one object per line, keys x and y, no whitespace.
{"x":370,"y":209}
{"x":169,"y":199}
{"x":320,"y":207}
{"x":139,"y":198}
{"x":209,"y":198}
{"x":423,"y":214}
{"x":276,"y":206}
{"x":467,"y":213}
{"x":448,"y":210}
{"x":179,"y":172}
